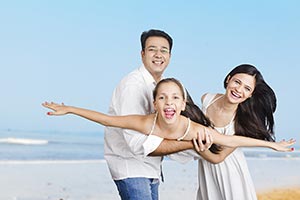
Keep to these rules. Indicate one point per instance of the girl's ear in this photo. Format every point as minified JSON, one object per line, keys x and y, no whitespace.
{"x":154,"y":105}
{"x":183,"y":105}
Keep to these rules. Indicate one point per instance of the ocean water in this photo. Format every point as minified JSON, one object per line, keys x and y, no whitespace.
{"x":45,"y":145}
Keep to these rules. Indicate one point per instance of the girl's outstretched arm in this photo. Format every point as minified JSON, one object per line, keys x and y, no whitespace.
{"x":134,"y":122}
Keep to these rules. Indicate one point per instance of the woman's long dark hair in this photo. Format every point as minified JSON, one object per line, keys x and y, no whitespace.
{"x":254,"y":117}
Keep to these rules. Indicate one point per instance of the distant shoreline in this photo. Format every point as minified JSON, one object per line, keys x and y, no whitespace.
{"x":29,"y":162}
{"x":82,"y":161}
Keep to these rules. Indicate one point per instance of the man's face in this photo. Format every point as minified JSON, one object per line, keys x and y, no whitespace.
{"x":156,"y":56}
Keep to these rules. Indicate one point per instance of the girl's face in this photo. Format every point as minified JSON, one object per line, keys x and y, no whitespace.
{"x":169,"y":101}
{"x":240,"y":87}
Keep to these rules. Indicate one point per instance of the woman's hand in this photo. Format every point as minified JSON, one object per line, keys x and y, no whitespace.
{"x":284,"y":146}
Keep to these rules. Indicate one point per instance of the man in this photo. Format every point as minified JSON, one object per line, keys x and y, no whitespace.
{"x":136,"y":175}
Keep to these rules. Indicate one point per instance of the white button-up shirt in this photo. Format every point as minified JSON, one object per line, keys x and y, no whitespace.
{"x":123,"y":149}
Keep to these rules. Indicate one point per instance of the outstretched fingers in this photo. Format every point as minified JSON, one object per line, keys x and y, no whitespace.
{"x":285,"y":145}
{"x":57,"y":109}
{"x":289,"y":143}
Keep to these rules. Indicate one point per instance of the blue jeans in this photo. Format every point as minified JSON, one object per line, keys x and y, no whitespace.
{"x":138,"y":188}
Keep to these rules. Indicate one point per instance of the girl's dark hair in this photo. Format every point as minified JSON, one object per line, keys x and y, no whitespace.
{"x":193,"y":112}
{"x":155,"y":33}
{"x":167,"y":80}
{"x":254,"y":117}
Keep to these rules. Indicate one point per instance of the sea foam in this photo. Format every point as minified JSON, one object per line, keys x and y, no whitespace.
{"x":23,"y":141}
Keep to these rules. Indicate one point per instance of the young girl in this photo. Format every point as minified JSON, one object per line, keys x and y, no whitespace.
{"x":169,"y":101}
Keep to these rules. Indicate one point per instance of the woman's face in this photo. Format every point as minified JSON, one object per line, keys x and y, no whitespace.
{"x":169,"y":101}
{"x":240,"y":87}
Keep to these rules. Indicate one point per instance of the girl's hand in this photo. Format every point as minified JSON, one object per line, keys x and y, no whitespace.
{"x":58,"y":109}
{"x":284,"y":146}
{"x":204,"y":141}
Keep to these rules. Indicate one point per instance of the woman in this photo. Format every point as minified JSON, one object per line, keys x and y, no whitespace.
{"x":246,"y":109}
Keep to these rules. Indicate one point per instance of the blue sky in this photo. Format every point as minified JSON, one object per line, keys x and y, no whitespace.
{"x":77,"y":51}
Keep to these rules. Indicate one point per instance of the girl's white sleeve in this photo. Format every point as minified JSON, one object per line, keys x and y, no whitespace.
{"x":151,"y":143}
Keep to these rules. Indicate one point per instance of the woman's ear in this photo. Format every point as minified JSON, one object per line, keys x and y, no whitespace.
{"x":228,"y":78}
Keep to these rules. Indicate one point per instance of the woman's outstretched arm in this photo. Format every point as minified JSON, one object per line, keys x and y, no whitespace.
{"x":241,"y":141}
{"x":226,"y":151}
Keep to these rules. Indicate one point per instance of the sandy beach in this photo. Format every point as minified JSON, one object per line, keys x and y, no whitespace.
{"x":90,"y":180}
{"x":280,"y":194}
{"x":47,"y":180}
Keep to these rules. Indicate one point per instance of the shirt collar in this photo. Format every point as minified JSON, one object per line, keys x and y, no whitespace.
{"x":147,"y":76}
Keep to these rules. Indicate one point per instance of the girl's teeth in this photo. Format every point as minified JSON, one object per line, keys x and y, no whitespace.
{"x":169,"y":113}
